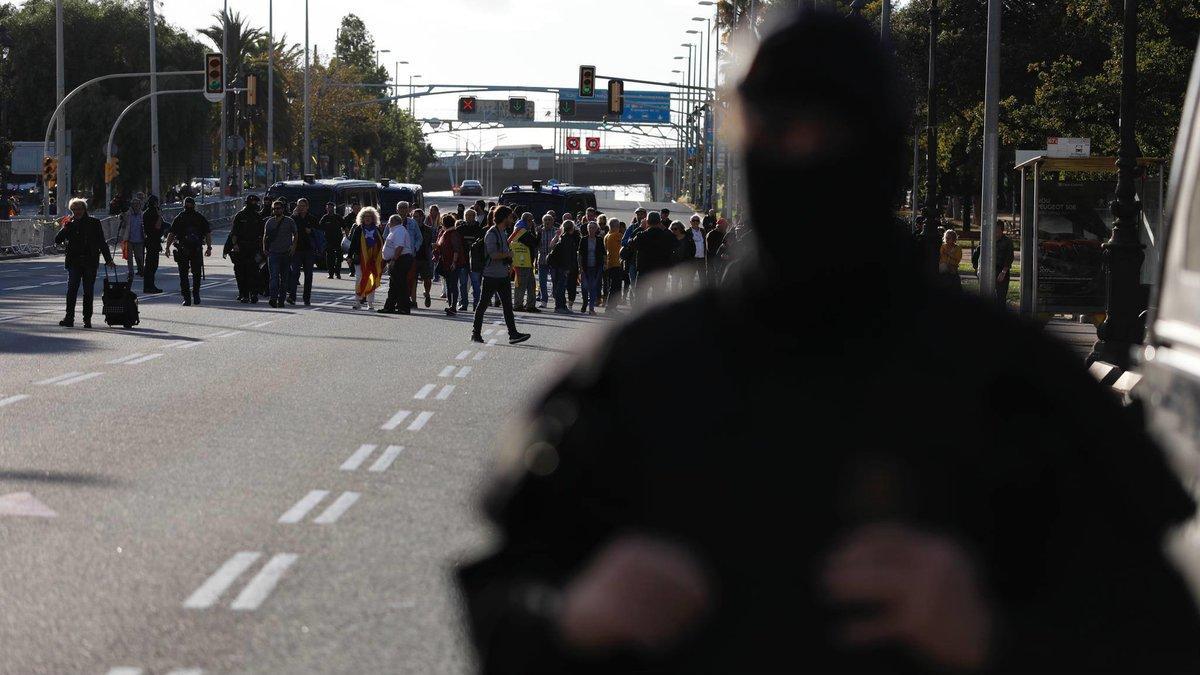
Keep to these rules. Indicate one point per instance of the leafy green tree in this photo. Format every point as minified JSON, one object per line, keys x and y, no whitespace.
{"x":355,"y":47}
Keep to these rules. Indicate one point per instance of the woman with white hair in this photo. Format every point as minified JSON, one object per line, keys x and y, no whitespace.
{"x":85,"y":243}
{"x":366,"y":253}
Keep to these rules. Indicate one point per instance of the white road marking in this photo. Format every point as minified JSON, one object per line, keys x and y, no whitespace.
{"x":463,"y":372}
{"x":13,"y":399}
{"x":396,"y":420}
{"x":186,"y":671}
{"x":337,"y":508}
{"x":77,"y":379}
{"x":125,"y":670}
{"x":262,"y":324}
{"x":426,"y":391}
{"x":385,"y":460}
{"x":148,"y":357}
{"x":210,"y":591}
{"x":447,"y":371}
{"x":19,"y":288}
{"x":123,"y":359}
{"x":231,"y":333}
{"x":489,"y":332}
{"x":302,"y":507}
{"x":462,"y":355}
{"x":492,"y":342}
{"x":419,"y":422}
{"x":497,"y":322}
{"x":252,"y":324}
{"x":445,"y":392}
{"x":190,"y":345}
{"x":255,"y":592}
{"x":59,"y":378}
{"x":359,"y":456}
{"x":10,"y":318}
{"x":216,"y":334}
{"x":479,"y":357}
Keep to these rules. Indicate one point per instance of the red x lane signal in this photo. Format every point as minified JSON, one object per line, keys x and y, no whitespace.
{"x":466,"y":105}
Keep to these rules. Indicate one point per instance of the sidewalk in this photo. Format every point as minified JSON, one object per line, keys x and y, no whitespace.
{"x":1078,"y":336}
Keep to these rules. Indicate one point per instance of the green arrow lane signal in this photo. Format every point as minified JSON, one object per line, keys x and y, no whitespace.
{"x":587,"y":81}
{"x":516,"y":106}
{"x":566,"y":108}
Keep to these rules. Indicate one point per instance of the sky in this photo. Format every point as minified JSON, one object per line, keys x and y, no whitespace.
{"x":493,"y":42}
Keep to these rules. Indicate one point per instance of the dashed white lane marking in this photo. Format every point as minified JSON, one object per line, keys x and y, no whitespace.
{"x":14,"y":317}
{"x":77,"y":379}
{"x":359,"y":456}
{"x":337,"y":508}
{"x":462,"y":355}
{"x":123,"y":359}
{"x":129,"y":670}
{"x":445,"y":392}
{"x":420,"y":421}
{"x":231,"y":333}
{"x":216,"y":334}
{"x":252,"y":324}
{"x":190,"y":345}
{"x":148,"y":357}
{"x":19,"y":288}
{"x":255,"y":592}
{"x":58,"y":378}
{"x":262,"y":324}
{"x":425,"y":391}
{"x":447,"y":371}
{"x":463,"y":372}
{"x":13,"y":399}
{"x":186,"y":671}
{"x":210,"y":591}
{"x":396,"y":420}
{"x":492,"y":342}
{"x":302,"y":507}
{"x":385,"y":460}
{"x":479,"y":357}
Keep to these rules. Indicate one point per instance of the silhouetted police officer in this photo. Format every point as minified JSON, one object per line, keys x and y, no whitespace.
{"x":824,"y":519}
{"x":190,"y":232}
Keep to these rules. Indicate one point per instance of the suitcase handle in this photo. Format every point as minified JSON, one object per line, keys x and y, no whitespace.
{"x":117,"y":276}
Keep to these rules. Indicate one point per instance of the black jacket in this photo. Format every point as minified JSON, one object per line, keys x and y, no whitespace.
{"x":599,"y":256}
{"x":85,"y":243}
{"x":246,"y":233}
{"x":331,"y":225}
{"x":472,"y":232}
{"x":713,"y":241}
{"x":304,"y":232}
{"x":685,"y":249}
{"x":565,"y":254}
{"x":653,"y":247}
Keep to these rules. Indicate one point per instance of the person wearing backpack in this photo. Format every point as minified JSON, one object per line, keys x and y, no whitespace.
{"x":495,"y":276}
{"x":452,"y":261}
{"x":472,"y":236}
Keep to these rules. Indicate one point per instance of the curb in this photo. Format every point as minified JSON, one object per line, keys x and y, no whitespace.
{"x":1123,"y":383}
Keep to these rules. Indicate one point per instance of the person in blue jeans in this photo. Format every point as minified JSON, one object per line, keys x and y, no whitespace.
{"x":592,"y":257}
{"x":279,"y":243}
{"x":471,"y":231}
{"x":545,"y":243}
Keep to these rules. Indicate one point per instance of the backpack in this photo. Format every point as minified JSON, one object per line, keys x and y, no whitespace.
{"x":478,"y":253}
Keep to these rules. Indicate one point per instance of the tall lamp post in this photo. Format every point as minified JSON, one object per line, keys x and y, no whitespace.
{"x":307,"y":106}
{"x":929,"y":234}
{"x":270,"y":93}
{"x":154,"y":177}
{"x":396,"y":80}
{"x":690,"y":111}
{"x":412,"y":108}
{"x":710,"y":155}
{"x":1125,"y":298}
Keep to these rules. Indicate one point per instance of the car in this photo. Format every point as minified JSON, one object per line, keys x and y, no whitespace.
{"x":1169,"y":361}
{"x":471,"y":188}
{"x":538,"y":199}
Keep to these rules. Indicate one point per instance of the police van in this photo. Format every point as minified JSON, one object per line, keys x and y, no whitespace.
{"x":538,"y":199}
{"x":391,"y":194}
{"x":341,"y":191}
{"x":1169,"y":363}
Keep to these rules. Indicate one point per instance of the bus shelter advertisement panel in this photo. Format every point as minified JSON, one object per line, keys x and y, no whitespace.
{"x":1074,"y":219}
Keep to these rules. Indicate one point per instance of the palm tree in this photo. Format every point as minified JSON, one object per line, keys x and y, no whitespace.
{"x":287,"y":68}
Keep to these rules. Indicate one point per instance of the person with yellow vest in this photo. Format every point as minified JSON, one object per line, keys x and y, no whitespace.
{"x":523,"y":243}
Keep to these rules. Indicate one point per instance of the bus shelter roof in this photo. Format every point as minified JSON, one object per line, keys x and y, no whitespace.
{"x":1082,"y":164}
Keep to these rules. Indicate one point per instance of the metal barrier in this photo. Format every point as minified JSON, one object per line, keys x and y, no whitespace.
{"x":35,"y":236}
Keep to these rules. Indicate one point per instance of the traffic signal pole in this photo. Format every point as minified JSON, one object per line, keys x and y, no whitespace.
{"x":60,"y":136}
{"x":113,"y":133}
{"x":154,"y":177}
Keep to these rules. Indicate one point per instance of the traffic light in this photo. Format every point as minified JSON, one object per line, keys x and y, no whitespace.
{"x":112,"y":169}
{"x":587,"y":81}
{"x":616,"y":97}
{"x":214,"y":76}
{"x":49,"y":172}
{"x":251,"y":90}
{"x":466,"y":105}
{"x":566,"y":109}
{"x":516,"y":107}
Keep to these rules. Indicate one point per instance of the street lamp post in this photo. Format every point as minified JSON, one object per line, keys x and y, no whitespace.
{"x":379,"y":56}
{"x":221,"y":141}
{"x":307,"y":105}
{"x":396,"y":80}
{"x":710,"y":150}
{"x":1125,"y":298}
{"x":929,"y":234}
{"x":690,"y":111}
{"x":154,"y":177}
{"x":271,"y":93}
{"x":412,"y":108}
{"x":60,"y":133}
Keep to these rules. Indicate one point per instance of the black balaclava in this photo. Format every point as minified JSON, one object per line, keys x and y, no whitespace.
{"x":820,"y":98}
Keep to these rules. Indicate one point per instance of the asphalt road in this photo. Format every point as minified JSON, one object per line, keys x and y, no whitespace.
{"x":235,"y":488}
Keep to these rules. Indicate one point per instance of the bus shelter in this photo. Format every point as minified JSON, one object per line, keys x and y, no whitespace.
{"x":1065,"y":219}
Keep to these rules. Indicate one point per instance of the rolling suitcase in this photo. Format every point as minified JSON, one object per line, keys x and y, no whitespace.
{"x":120,"y":302}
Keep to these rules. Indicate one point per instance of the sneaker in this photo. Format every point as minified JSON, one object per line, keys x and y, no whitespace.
{"x":517,"y":338}
{"x":244,"y":301}
{"x":542,"y":305}
{"x":370,"y":305}
{"x":476,"y":337}
{"x":450,"y":311}
{"x":271,"y":302}
{"x":330,"y":276}
{"x":70,"y":323}
{"x":254,"y":299}
{"x":462,"y":308}
{"x":195,"y":300}
{"x":562,"y":310}
{"x":533,"y":310}
{"x":428,"y":302}
{"x":87,"y":323}
{"x":357,"y":304}
{"x":187,"y":303}
{"x":291,"y":301}
{"x":241,"y":298}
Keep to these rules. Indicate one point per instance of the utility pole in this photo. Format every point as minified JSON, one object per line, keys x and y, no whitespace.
{"x":1125,"y":297}
{"x":154,"y":177}
{"x":991,"y":159}
{"x":930,"y":240}
{"x":224,"y":98}
{"x":60,"y":134}
{"x":885,"y":22}
{"x":307,"y":108}
{"x":271,"y":94}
